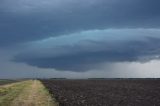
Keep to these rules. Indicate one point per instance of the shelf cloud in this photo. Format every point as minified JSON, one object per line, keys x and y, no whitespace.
{"x":79,"y":36}
{"x":89,"y":51}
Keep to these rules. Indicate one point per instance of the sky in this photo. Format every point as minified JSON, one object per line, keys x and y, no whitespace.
{"x":79,"y":38}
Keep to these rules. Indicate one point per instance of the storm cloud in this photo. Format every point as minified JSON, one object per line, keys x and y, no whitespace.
{"x":29,"y":20}
{"x":79,"y":36}
{"x":89,"y":52}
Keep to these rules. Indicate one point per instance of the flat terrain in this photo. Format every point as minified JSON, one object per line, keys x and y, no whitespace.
{"x":25,"y":93}
{"x":105,"y":92}
{"x":5,"y":81}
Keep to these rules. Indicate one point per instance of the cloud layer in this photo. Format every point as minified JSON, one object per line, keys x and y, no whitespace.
{"x":79,"y":35}
{"x":29,"y":20}
{"x":89,"y":52}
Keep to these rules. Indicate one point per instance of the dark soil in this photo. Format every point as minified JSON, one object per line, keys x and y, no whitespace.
{"x":105,"y":92}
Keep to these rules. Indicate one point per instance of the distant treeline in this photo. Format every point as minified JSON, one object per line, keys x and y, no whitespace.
{"x":125,"y":78}
{"x":102,"y":79}
{"x":6,"y":81}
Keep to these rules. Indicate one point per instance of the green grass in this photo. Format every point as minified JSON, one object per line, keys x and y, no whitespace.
{"x":43,"y":90}
{"x":9,"y":93}
{"x":28,"y":93}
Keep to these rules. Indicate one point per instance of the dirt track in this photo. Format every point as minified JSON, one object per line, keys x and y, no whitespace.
{"x":25,"y":93}
{"x":34,"y":95}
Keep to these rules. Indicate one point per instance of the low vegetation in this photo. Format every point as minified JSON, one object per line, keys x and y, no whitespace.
{"x":25,"y":93}
{"x":9,"y":92}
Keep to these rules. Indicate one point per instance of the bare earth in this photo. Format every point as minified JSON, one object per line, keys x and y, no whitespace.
{"x":107,"y":92}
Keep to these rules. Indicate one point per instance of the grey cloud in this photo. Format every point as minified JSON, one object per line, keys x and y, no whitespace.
{"x":29,"y":20}
{"x":134,"y":50}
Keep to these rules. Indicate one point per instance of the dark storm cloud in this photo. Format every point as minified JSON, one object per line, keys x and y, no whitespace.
{"x":29,"y":20}
{"x":130,"y":51}
{"x":53,"y":23}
